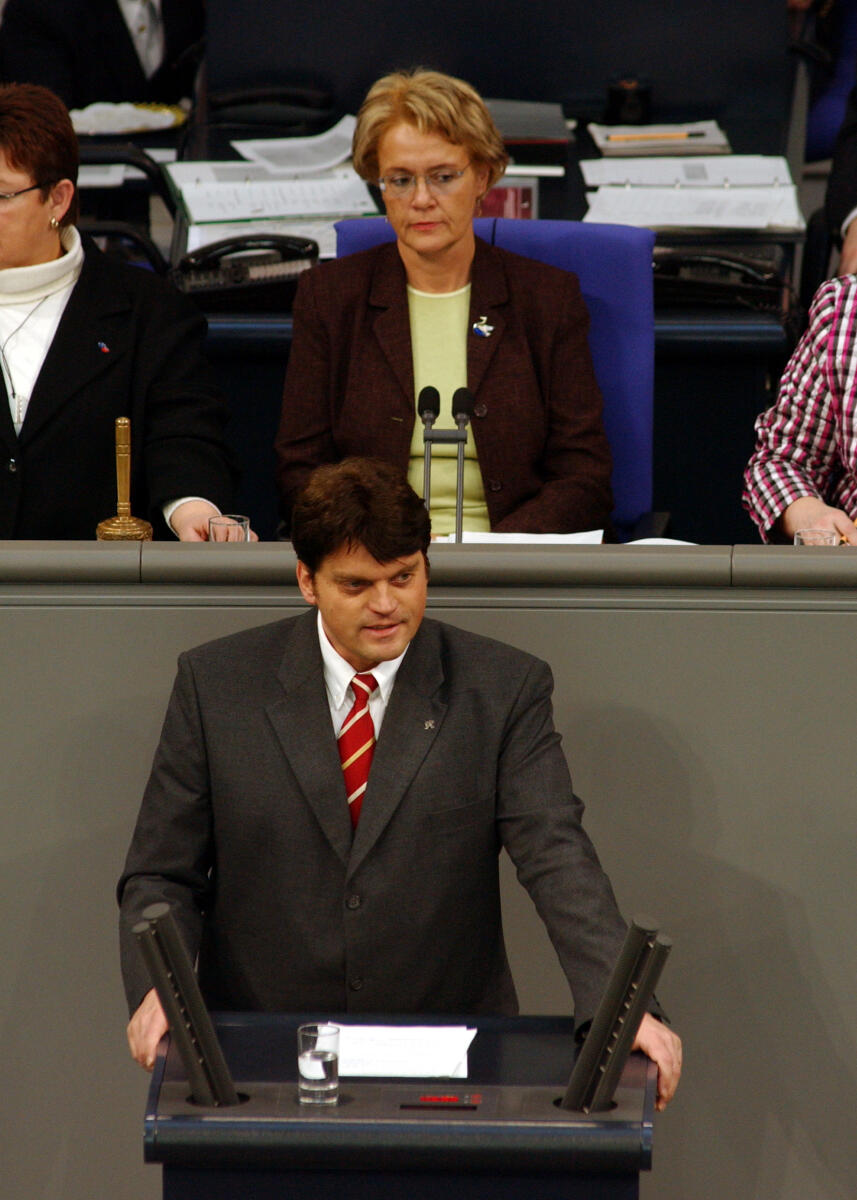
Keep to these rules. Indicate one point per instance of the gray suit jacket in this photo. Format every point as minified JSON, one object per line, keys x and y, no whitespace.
{"x":244,"y":829}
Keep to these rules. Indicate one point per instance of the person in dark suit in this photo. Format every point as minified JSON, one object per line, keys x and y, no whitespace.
{"x":441,"y":308}
{"x":302,"y":885}
{"x":84,"y":50}
{"x":840,"y":201}
{"x":84,"y":340}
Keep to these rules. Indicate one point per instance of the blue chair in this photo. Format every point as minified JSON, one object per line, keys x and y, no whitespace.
{"x":614,"y":266}
{"x":827,"y":110}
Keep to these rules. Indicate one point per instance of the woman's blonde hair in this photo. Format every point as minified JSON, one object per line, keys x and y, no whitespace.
{"x":433,"y":103}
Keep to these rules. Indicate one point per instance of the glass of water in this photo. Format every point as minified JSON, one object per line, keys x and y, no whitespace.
{"x":817,"y":537}
{"x":230,"y":527}
{"x":318,"y":1063}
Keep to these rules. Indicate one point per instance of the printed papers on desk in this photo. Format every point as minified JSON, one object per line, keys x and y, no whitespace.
{"x":737,"y":191}
{"x":302,"y":155}
{"x":283,"y":185}
{"x":697,"y":137}
{"x":252,"y":198}
{"x":405,"y":1051}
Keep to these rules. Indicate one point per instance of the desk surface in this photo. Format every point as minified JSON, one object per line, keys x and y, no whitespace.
{"x":561,"y":198}
{"x":517,"y":1069}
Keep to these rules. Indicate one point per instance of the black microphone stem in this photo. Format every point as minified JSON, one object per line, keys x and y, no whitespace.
{"x":462,"y":409}
{"x":428,"y":406}
{"x":427,"y":468}
{"x":459,"y":492}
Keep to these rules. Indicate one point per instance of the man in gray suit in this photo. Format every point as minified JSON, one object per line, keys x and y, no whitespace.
{"x":302,"y":880}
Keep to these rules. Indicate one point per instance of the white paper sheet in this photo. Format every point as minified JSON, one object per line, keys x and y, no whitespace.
{"x":101,"y":175}
{"x":697,"y":208}
{"x":302,"y":154}
{"x":539,"y":170}
{"x":657,"y":541}
{"x":733,"y":170}
{"x":189,"y":173}
{"x":591,"y":537}
{"x":328,"y":196}
{"x":405,"y":1051}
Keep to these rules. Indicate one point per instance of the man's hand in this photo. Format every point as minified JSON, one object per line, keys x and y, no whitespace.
{"x":848,"y":257}
{"x":190,"y":521}
{"x":811,"y":513}
{"x":664,"y":1048}
{"x":145,"y":1029}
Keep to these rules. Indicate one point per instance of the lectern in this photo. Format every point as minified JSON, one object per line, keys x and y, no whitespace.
{"x":499,"y":1134}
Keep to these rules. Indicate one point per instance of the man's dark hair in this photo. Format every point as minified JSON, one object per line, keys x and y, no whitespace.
{"x":358,"y":502}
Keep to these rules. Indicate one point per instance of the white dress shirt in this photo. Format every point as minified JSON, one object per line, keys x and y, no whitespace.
{"x":146,"y":26}
{"x":337,"y":681}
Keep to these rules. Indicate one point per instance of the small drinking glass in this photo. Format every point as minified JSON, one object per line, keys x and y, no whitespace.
{"x":318,"y":1063}
{"x":231,"y":527}
{"x":817,"y":537}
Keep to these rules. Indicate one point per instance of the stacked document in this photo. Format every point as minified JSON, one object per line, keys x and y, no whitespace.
{"x":333,"y":196}
{"x":696,"y":137}
{"x":736,"y":191}
{"x":281,"y":185}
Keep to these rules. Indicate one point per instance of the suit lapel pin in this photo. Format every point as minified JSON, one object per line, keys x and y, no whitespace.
{"x":103,"y":347}
{"x":481,"y":327}
{"x":429,"y":725}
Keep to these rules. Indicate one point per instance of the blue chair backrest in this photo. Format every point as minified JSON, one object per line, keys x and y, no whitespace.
{"x":827,"y":111}
{"x":614,"y":266}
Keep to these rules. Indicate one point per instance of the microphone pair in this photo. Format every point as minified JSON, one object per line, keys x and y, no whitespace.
{"x":428,"y":407}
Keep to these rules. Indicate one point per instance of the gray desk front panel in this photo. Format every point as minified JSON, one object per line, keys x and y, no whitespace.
{"x":708,"y":730}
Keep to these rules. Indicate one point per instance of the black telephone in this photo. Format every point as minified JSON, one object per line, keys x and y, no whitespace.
{"x":713,"y":278}
{"x":249,"y":273}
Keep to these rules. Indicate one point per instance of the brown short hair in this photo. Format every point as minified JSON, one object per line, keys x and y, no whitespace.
{"x":433,"y":103}
{"x":358,"y":502}
{"x":37,"y":137}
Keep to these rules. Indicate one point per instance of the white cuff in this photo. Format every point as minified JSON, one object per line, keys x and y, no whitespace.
{"x":169,"y":509}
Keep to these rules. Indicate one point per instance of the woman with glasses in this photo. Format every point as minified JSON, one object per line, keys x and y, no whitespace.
{"x":440,"y":308}
{"x":85,"y":339}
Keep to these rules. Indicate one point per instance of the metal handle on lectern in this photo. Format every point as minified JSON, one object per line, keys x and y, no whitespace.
{"x":626,"y":999}
{"x":190,"y":1025}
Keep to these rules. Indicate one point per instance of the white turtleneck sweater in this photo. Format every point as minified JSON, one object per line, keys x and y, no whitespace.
{"x":32,"y":301}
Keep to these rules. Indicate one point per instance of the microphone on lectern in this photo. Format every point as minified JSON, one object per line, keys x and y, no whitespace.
{"x":462,"y":411}
{"x":428,"y":406}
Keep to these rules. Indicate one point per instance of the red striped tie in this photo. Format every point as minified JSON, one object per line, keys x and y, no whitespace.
{"x":357,"y":744}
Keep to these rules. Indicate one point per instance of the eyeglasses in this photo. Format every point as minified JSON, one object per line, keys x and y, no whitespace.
{"x":438,"y":182}
{"x":21,"y":192}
